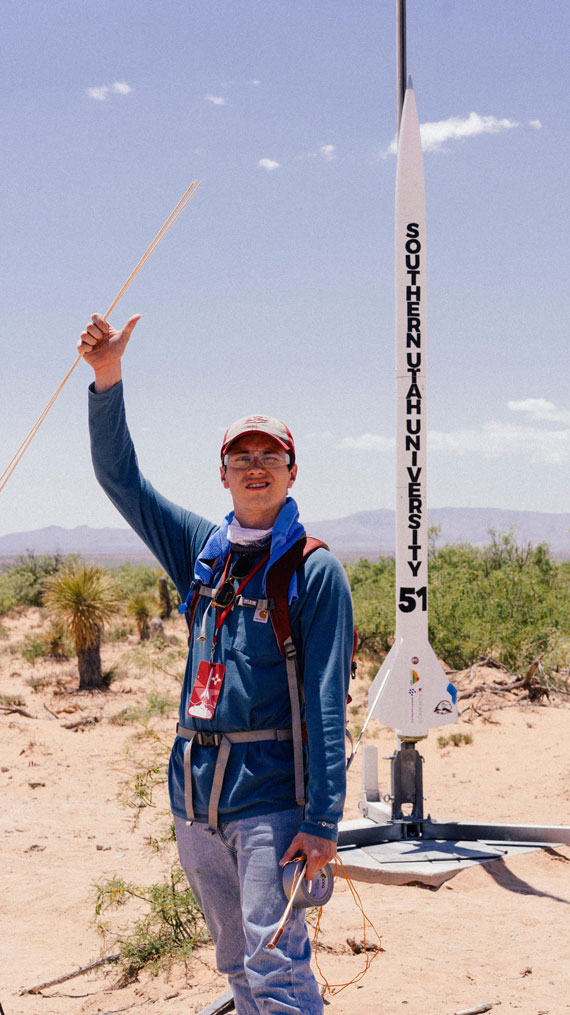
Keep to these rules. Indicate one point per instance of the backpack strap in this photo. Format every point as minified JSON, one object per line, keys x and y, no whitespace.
{"x":277,"y":585}
{"x":277,"y":588}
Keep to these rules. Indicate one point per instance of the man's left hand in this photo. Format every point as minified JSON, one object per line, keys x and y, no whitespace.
{"x":318,"y":851}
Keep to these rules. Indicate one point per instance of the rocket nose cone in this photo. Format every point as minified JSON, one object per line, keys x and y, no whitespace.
{"x":410,"y":83}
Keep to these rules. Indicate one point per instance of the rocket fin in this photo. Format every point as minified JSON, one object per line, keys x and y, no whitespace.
{"x":411,"y":691}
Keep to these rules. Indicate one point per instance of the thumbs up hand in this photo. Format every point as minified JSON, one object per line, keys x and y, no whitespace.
{"x":102,"y":346}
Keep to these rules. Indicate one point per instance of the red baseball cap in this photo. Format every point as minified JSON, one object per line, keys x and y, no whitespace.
{"x":260,"y":424}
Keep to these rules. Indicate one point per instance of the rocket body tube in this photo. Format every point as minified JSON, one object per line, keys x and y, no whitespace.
{"x":411,"y":691}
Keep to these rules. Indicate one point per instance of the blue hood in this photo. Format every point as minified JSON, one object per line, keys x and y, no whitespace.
{"x":286,"y":531}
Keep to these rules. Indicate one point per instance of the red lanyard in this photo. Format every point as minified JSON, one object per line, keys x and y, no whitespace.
{"x":224,"y":613}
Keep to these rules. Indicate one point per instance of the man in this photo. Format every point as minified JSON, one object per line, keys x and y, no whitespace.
{"x":235,"y":790}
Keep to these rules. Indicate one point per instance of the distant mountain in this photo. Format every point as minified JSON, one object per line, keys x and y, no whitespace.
{"x":364,"y":534}
{"x":107,"y":545}
{"x":371,"y":533}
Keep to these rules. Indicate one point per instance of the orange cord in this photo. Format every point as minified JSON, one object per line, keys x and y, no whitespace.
{"x":186,"y":197}
{"x":335,"y":988}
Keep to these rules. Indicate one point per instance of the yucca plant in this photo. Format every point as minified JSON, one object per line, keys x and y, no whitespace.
{"x":164,"y":598}
{"x":139,"y":607}
{"x":83,"y":597}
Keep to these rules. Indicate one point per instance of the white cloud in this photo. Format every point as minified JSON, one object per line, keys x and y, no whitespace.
{"x":434,"y":135}
{"x":540,"y":408}
{"x":326,"y":152}
{"x":531,"y":441}
{"x":319,"y":435}
{"x":255,"y":82}
{"x":268,"y":164}
{"x":456,"y":128}
{"x":495,"y":439}
{"x":366,"y":442}
{"x":535,"y":123}
{"x":101,"y":92}
{"x":216,"y":100}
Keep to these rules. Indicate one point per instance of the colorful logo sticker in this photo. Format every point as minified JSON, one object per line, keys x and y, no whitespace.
{"x":413,"y":678}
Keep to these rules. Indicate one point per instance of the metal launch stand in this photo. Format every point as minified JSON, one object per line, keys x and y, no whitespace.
{"x":391,"y":846}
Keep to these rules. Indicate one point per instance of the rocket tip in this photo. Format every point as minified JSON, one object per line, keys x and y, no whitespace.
{"x":410,"y":83}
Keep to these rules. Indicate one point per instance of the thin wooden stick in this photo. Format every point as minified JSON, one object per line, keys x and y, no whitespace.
{"x":184,"y":200}
{"x":299,"y":874}
{"x":69,"y":976}
{"x":9,"y":709}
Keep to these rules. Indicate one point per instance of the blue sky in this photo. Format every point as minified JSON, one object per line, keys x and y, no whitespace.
{"x":274,"y":290}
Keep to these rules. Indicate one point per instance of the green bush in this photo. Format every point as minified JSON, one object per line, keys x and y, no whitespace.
{"x":136,"y":579}
{"x":21,"y":584}
{"x":157,"y":704}
{"x":373,"y":596}
{"x":170,"y":930}
{"x":32,"y":649}
{"x":117,"y":632}
{"x":504,"y":601}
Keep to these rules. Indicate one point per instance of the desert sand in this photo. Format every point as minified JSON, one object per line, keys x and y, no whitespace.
{"x":497,"y":934}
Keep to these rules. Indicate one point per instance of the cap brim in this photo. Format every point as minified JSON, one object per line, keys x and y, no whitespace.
{"x":249,"y":430}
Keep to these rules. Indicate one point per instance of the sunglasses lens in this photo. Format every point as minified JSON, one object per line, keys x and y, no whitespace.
{"x":241,"y":567}
{"x":225,"y":595}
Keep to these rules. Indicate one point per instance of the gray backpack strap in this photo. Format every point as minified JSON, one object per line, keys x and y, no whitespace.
{"x":218,"y":781}
{"x":277,"y":588}
{"x":188,"y":802}
{"x":293,"y":681}
{"x":223,"y":741}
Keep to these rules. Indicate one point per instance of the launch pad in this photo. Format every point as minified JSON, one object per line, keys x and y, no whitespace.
{"x":393,"y":843}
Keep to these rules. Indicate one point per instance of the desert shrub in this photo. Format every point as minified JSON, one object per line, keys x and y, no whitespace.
{"x":117,"y":632}
{"x":169,"y":930}
{"x":164,"y":597}
{"x":456,"y":739}
{"x":136,"y":579}
{"x":373,"y":596}
{"x":54,"y":643}
{"x":38,"y":683}
{"x":504,"y":601}
{"x":157,"y":704}
{"x":33,"y":648}
{"x":21,"y":584}
{"x":9,"y":700}
{"x":162,"y":654}
{"x":57,"y":642}
{"x":7,"y":595}
{"x":140,"y":607}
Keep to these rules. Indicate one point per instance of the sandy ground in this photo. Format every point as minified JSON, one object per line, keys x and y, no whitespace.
{"x":498,"y":933}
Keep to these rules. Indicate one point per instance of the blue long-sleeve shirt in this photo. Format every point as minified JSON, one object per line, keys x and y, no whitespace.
{"x":254,"y":695}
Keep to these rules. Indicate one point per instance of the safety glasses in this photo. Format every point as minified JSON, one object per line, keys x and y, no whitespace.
{"x":265,"y":459}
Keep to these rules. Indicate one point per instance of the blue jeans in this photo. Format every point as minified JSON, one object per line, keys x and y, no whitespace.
{"x":235,"y":876}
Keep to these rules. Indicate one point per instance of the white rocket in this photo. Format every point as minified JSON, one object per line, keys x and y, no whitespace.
{"x":411,"y":691}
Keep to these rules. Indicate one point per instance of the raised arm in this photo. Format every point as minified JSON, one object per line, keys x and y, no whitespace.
{"x":173,"y":534}
{"x":102,"y":346}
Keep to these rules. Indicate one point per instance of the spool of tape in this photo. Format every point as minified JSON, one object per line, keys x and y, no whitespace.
{"x":309,"y":893}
